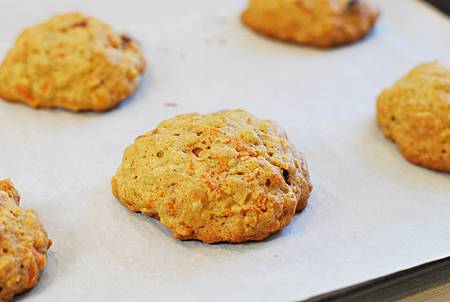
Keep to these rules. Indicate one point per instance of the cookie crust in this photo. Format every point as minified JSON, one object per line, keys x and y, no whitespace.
{"x":23,"y":244}
{"x":415,"y":114}
{"x":217,"y":177}
{"x":318,"y":23}
{"x":73,"y":62}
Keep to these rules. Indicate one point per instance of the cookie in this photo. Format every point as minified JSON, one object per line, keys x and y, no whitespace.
{"x":217,"y":177}
{"x":415,"y":114}
{"x":23,"y":244}
{"x":73,"y":62}
{"x":319,"y":23}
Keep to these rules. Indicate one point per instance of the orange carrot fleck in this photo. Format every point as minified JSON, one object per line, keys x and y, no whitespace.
{"x":44,"y":87}
{"x":223,"y":164}
{"x":191,"y":167}
{"x":25,"y":92}
{"x":171,"y":206}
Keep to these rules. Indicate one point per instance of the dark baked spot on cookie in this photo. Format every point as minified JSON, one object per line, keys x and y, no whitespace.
{"x":353,"y":6}
{"x":83,"y":23}
{"x":286,"y":176}
{"x":196,"y":151}
{"x":125,"y":40}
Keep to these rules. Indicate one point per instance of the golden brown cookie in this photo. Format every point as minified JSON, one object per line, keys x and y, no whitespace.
{"x":73,"y":62}
{"x":415,"y":114}
{"x":217,"y":177}
{"x":23,"y":244}
{"x":319,"y":23}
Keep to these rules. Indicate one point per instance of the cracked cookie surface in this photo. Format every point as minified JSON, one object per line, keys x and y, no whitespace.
{"x":73,"y":62}
{"x":415,"y":114}
{"x":23,"y":244}
{"x":319,"y":23}
{"x":217,"y":177}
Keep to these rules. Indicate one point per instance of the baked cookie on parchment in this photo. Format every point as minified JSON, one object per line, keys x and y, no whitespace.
{"x":225,"y":176}
{"x":415,"y":114}
{"x":23,"y":244}
{"x":73,"y":62}
{"x":319,"y":23}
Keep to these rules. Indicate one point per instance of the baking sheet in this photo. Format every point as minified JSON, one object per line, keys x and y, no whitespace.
{"x":371,"y":213}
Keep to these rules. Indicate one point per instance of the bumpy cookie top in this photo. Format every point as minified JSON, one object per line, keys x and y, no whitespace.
{"x":225,"y":176}
{"x":23,"y":244}
{"x":415,"y":113}
{"x":320,"y":23}
{"x":72,"y":62}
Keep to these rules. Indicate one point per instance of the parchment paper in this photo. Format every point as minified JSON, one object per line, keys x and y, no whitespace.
{"x":372,"y":213}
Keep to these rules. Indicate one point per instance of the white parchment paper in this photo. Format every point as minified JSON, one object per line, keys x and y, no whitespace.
{"x":371,"y":213}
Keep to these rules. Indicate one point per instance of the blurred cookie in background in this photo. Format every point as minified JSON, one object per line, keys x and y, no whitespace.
{"x":73,"y":62}
{"x":415,"y":114}
{"x":318,"y":23}
{"x":23,"y":244}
